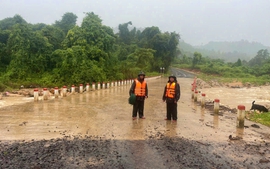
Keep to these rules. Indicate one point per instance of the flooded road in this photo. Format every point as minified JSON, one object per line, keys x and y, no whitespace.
{"x":198,"y":139}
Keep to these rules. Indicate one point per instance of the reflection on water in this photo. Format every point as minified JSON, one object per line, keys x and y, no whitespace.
{"x":194,"y":106}
{"x":137,"y":129}
{"x":215,"y":121}
{"x":81,"y":98}
{"x":239,"y":132}
{"x":202,"y":114}
{"x":87,"y":97}
{"x":171,"y":129}
{"x":72,"y":100}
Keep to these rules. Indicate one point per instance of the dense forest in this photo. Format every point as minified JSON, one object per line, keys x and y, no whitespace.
{"x":64,"y":53}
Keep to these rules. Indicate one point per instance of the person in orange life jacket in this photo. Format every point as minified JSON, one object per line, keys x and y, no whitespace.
{"x":140,"y":89}
{"x":171,"y":95}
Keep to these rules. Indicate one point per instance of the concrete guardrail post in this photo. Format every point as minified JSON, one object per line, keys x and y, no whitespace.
{"x":93,"y":86}
{"x":81,"y":88}
{"x":87,"y":87}
{"x":216,"y":106}
{"x":73,"y":89}
{"x":56,"y":92}
{"x":203,"y":100}
{"x":64,"y":91}
{"x":241,"y":116}
{"x":45,"y":94}
{"x":35,"y":94}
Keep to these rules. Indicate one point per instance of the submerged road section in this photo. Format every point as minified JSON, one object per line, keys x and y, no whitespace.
{"x":96,"y":130}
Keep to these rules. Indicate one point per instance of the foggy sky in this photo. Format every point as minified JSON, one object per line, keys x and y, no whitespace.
{"x":197,"y":21}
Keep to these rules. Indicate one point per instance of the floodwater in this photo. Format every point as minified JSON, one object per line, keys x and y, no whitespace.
{"x":105,"y":113}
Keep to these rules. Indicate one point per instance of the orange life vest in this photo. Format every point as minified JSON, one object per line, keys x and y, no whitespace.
{"x":140,"y":88}
{"x":170,"y":93}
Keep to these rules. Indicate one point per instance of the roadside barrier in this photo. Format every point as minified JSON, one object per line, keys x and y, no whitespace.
{"x":192,"y":93}
{"x":98,"y":85}
{"x":56,"y":93}
{"x":203,"y":100}
{"x":93,"y":86}
{"x":72,"y":89}
{"x":81,"y":88}
{"x":45,"y":94}
{"x":35,"y":94}
{"x":194,"y":84}
{"x":64,"y":91}
{"x":196,"y":96}
{"x":240,"y":116}
{"x":87,"y":87}
{"x":216,"y":106}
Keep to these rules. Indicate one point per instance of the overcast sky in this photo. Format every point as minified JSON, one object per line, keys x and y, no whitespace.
{"x":197,"y":21}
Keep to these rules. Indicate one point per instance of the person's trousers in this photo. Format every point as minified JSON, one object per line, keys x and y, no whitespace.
{"x":138,"y":107}
{"x":172,"y":111}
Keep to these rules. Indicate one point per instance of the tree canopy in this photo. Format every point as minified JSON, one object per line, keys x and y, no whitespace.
{"x":65,"y":53}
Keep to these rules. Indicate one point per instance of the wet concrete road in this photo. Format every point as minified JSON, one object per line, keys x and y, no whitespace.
{"x":142,"y":143}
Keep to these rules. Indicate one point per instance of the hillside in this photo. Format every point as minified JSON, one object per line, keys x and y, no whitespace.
{"x":229,"y":51}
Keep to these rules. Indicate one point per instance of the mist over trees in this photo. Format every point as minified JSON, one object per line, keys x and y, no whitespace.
{"x":256,"y":71}
{"x":228,"y":51}
{"x":65,"y":53}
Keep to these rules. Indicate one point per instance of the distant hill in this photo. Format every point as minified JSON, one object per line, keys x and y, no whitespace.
{"x":229,"y":51}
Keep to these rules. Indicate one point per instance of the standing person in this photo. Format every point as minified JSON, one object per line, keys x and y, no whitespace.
{"x":171,"y":95}
{"x":139,"y":88}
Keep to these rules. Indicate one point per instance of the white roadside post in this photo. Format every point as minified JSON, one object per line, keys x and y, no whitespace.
{"x":81,"y":88}
{"x":87,"y":87}
{"x":216,"y":106}
{"x":56,"y":92}
{"x":35,"y":94}
{"x":203,"y":100}
{"x":93,"y":86}
{"x":45,"y":94}
{"x":72,"y":89}
{"x":240,"y":116}
{"x":98,"y":86}
{"x":64,"y":91}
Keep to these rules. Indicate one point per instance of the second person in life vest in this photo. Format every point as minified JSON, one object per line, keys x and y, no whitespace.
{"x":140,"y":89}
{"x":171,"y":95}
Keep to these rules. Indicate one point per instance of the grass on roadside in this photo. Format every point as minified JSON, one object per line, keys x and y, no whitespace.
{"x":263,"y":118}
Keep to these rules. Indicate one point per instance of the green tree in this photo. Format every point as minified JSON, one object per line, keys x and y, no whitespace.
{"x":197,"y":57}
{"x":8,"y":23}
{"x":67,"y":22}
{"x":238,"y":63}
{"x":260,"y":58}
{"x":143,"y":58}
{"x":126,"y":36}
{"x":54,"y":35}
{"x":28,"y":51}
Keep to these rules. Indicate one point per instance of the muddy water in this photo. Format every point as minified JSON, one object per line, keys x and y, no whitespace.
{"x":235,"y":96}
{"x":106,"y":114}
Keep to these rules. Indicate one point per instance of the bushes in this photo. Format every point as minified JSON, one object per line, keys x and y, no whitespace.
{"x":2,"y":87}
